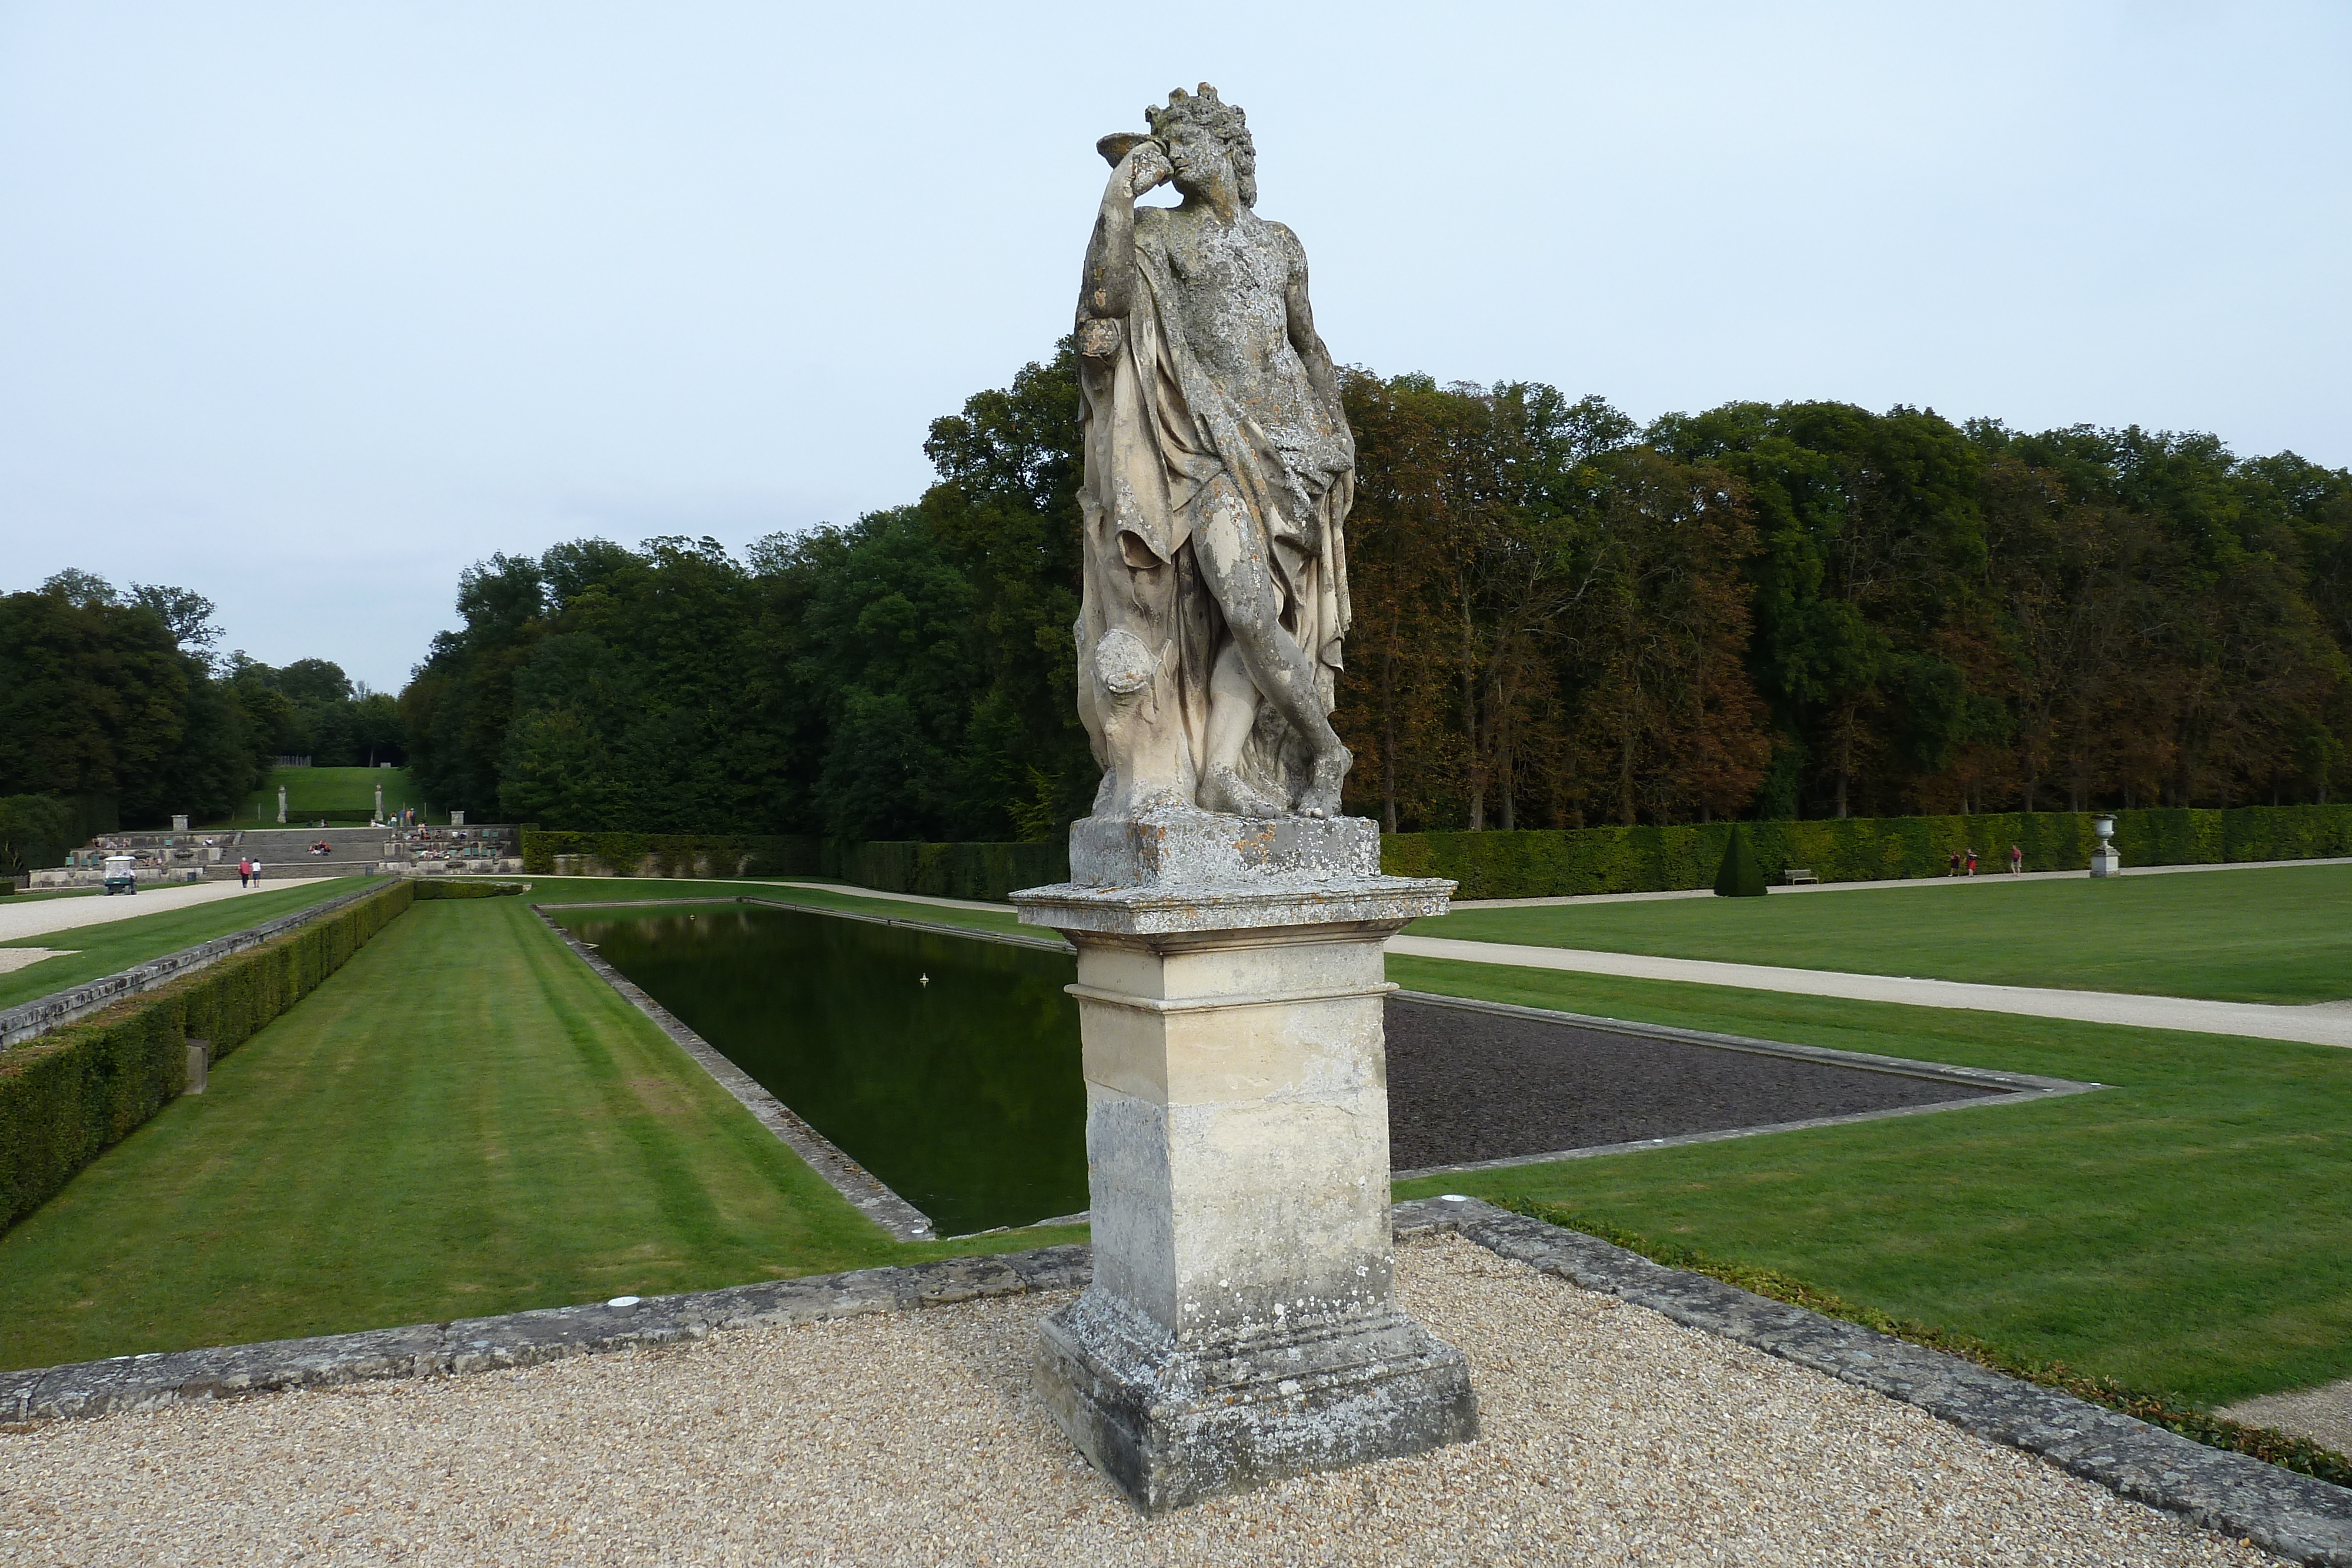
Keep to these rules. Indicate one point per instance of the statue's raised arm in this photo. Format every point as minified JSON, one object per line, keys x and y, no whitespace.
{"x":1219,"y":470}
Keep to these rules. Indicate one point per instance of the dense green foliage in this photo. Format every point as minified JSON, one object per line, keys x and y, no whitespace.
{"x":114,"y":704}
{"x":107,"y":701}
{"x":68,"y":1096}
{"x":36,"y":830}
{"x":1776,"y":612}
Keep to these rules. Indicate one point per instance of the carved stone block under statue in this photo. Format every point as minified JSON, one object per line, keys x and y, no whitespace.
{"x":1230,"y":923}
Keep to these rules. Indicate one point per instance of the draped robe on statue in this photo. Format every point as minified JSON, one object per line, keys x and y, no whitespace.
{"x":1173,"y":449}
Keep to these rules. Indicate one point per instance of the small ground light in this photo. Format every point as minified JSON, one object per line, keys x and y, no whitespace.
{"x":1453,"y":1198}
{"x":923,"y":979}
{"x":623,"y":1301}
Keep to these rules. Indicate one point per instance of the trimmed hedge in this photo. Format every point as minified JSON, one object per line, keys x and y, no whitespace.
{"x":70,"y":1096}
{"x":1531,"y":864}
{"x":977,"y":871}
{"x":1544,"y":864}
{"x":674,"y":854}
{"x":431,"y":887}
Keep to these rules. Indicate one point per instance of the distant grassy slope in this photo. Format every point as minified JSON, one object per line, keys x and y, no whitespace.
{"x":2275,"y":935}
{"x":463,"y":1120}
{"x":312,"y":791}
{"x":98,"y":950}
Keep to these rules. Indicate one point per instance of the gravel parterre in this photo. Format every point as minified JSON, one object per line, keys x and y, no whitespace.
{"x":1612,"y":1436}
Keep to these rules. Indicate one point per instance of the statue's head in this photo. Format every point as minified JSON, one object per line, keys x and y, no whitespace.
{"x":1205,"y":137}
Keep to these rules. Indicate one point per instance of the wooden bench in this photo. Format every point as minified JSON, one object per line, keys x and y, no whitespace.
{"x":1797,"y":877}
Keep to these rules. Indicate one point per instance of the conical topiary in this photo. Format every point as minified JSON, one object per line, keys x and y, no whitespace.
{"x":1739,"y":876}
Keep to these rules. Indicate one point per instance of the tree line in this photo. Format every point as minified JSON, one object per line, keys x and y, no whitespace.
{"x":1563,"y":618}
{"x":117,"y":702}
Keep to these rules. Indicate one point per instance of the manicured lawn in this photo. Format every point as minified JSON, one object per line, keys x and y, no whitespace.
{"x":463,"y":1121}
{"x":2186,"y":1229}
{"x":2282,"y":934}
{"x":98,"y":950}
{"x":309,"y":791}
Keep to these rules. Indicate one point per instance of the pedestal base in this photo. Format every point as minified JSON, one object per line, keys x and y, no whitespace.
{"x":1172,"y":1424}
{"x":2105,"y":862}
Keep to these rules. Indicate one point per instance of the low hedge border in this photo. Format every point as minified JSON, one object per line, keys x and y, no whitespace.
{"x":70,"y":1095}
{"x":672,"y":854}
{"x":1554,"y":864}
{"x":428,"y":887}
{"x":1532,"y":864}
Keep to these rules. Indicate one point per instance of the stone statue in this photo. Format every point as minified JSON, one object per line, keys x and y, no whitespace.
{"x":1219,"y":469}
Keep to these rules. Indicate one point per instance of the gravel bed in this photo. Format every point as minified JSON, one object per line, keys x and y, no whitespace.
{"x":1465,"y":1085}
{"x":1612,"y":1436}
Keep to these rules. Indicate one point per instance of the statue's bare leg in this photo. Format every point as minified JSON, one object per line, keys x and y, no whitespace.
{"x":1232,"y":713}
{"x":1234,"y":566}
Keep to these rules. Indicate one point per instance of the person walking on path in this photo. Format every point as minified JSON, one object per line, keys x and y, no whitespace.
{"x":1952,"y":865}
{"x":1972,"y":863}
{"x":2016,"y":860}
{"x":244,"y":871}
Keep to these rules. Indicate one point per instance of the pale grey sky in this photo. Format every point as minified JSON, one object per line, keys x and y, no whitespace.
{"x":305,"y":307}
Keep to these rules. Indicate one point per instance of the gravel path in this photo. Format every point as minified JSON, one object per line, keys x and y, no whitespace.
{"x":1466,"y":1086}
{"x":41,"y":916}
{"x":1611,"y":1437}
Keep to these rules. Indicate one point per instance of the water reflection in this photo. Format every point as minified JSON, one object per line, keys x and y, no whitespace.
{"x":950,"y":1068}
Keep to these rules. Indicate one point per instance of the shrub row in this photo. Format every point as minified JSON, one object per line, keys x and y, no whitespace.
{"x":1544,"y":864}
{"x":1540,"y":864}
{"x":948,"y":870}
{"x":673,"y":855}
{"x":433,"y":887}
{"x":68,"y":1096}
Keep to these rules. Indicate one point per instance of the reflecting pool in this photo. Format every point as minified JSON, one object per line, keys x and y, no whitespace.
{"x":964,"y":1094}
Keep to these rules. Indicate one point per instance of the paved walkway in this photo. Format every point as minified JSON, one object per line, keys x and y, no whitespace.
{"x":2322,"y":1023}
{"x":38,"y":917}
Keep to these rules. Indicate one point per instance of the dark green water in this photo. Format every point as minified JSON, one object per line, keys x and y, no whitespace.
{"x":964,"y":1094}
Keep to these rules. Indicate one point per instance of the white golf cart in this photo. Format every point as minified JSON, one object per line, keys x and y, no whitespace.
{"x":121,"y":874}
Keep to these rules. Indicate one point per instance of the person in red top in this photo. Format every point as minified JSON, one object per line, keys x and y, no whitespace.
{"x":2016,"y":860}
{"x":1972,"y":863}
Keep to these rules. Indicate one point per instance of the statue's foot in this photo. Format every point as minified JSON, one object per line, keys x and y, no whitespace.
{"x":1321,"y":797}
{"x":1224,"y":790}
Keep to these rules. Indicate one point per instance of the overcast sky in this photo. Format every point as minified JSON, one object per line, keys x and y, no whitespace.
{"x":305,"y":307}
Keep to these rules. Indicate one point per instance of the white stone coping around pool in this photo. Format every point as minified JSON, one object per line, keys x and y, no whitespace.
{"x":2295,"y":1516}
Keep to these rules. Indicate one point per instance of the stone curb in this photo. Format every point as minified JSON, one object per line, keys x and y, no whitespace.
{"x":30,"y":1021}
{"x":521,"y":1339}
{"x":865,"y":1190}
{"x":2299,"y":1518}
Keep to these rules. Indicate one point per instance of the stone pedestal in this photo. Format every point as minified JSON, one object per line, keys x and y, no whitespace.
{"x":2105,"y":862}
{"x":1241,"y":1325}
